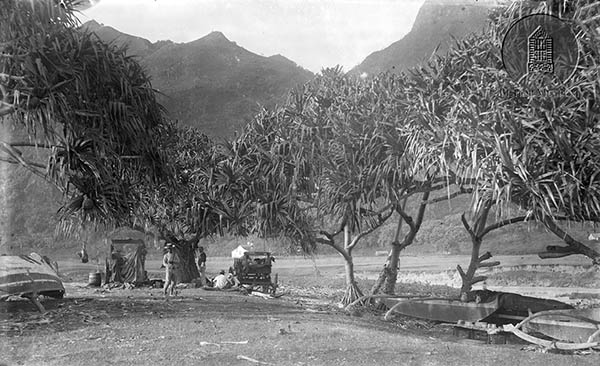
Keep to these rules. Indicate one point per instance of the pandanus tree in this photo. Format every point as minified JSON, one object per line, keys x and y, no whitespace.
{"x":420,"y":161}
{"x":367,"y":150}
{"x":536,"y":143}
{"x":455,"y":100}
{"x":88,"y":106}
{"x":240,"y":187}
{"x":336,"y":126}
{"x":316,"y":159}
{"x":179,"y":210}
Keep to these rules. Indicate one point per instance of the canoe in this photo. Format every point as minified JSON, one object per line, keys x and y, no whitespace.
{"x":576,"y":326}
{"x":493,"y":307}
{"x":443,"y":310}
{"x":26,"y":275}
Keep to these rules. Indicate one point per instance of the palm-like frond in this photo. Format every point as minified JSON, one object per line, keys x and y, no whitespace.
{"x":88,"y":101}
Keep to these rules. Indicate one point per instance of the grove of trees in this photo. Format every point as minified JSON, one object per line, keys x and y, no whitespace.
{"x":332,"y":165}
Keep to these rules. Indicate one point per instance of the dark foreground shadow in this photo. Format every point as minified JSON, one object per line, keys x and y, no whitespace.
{"x":93,"y":307}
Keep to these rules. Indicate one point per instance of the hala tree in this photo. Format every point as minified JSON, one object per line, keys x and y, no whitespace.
{"x":451,"y":100}
{"x":532,"y":148}
{"x":546,"y":157}
{"x":239,"y":187}
{"x":419,"y":163}
{"x":336,"y":118}
{"x":365,"y":153}
{"x":179,"y":210}
{"x":89,"y":107}
{"x":310,"y":169}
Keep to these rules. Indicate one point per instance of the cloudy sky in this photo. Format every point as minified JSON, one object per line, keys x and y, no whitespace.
{"x":313,"y":33}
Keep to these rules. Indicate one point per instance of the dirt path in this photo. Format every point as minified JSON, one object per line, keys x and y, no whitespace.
{"x":138,"y":327}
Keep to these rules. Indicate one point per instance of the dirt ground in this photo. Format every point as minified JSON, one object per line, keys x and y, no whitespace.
{"x":95,"y":326}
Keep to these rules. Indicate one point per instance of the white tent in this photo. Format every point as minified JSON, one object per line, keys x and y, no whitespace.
{"x":238,"y":252}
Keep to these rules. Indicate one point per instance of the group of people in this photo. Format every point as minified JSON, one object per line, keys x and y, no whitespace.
{"x":172,"y":264}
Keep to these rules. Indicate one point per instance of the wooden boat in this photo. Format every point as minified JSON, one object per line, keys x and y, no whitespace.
{"x":490,"y":306}
{"x":569,"y":329}
{"x":443,"y":310}
{"x":577,"y":326}
{"x":29,"y":276}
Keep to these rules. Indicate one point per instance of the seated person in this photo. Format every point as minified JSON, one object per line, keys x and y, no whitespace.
{"x":224,"y":281}
{"x":232,"y":277}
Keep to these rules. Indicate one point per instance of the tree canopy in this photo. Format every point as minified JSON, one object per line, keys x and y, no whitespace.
{"x":86,"y":104}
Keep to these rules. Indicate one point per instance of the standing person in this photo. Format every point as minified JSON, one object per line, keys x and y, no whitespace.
{"x":171,"y":263}
{"x":201,"y":263}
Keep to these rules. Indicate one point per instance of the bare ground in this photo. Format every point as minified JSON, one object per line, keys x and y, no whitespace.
{"x":138,"y":326}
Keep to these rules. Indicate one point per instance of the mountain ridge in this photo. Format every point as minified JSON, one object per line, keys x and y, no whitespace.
{"x":435,"y":24}
{"x":210,"y":83}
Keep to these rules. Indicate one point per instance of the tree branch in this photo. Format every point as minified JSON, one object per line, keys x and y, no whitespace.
{"x":574,"y":246}
{"x":327,"y":235}
{"x":421,"y":212}
{"x":25,"y":163}
{"x":485,"y":256}
{"x":467,"y":226}
{"x":332,"y":244}
{"x":30,"y":144}
{"x":488,"y":264}
{"x":461,"y":272}
{"x":502,"y":223}
{"x":367,"y":212}
{"x":381,"y":221}
{"x":450,"y":196}
{"x":406,"y":218}
{"x":478,"y":279}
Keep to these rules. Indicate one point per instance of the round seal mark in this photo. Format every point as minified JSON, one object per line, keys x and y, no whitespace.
{"x":540,"y":45}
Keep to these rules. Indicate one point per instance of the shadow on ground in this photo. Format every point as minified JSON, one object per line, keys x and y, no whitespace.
{"x":88,"y":307}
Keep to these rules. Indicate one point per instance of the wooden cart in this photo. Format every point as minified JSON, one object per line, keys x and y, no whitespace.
{"x":253,"y":270}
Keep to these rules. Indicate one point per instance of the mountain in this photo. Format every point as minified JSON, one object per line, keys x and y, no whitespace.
{"x":435,"y":25}
{"x":210,"y":83}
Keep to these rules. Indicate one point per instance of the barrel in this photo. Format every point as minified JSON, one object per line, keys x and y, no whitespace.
{"x":95,"y":279}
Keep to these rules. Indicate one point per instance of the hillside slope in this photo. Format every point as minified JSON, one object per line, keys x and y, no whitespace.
{"x":435,"y":25}
{"x":210,"y":83}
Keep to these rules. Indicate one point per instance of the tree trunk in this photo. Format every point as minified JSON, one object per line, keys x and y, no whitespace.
{"x":185,"y":251}
{"x":473,"y":265}
{"x":392,"y":278}
{"x":392,"y":260}
{"x":382,"y":276}
{"x":189,"y":271}
{"x":392,"y":270}
{"x":353,"y":292}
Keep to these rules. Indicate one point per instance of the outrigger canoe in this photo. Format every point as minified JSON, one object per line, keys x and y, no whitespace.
{"x":569,"y":328}
{"x":29,"y":276}
{"x":442,"y":310}
{"x":576,"y":326}
{"x":499,"y":306}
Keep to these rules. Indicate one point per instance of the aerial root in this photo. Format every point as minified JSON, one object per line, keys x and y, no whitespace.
{"x":352,"y":293}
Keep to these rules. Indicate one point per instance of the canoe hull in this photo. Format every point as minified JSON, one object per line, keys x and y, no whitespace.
{"x":443,"y":310}
{"x":494,"y":307}
{"x":565,"y":328}
{"x":28,"y":274}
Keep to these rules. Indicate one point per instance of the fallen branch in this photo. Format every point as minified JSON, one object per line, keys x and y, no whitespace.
{"x":246,"y":358}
